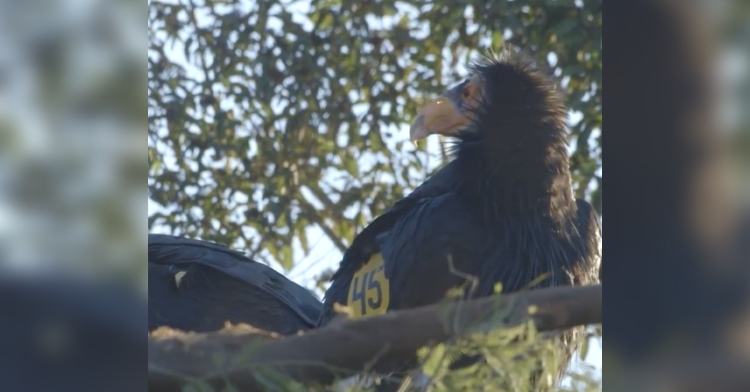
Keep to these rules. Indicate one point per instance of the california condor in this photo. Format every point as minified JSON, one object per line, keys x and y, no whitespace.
{"x":502,"y":211}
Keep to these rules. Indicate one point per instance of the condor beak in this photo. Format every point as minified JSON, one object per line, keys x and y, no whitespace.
{"x":439,"y":117}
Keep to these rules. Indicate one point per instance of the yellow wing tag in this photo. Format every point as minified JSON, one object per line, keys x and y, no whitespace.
{"x":369,"y":289}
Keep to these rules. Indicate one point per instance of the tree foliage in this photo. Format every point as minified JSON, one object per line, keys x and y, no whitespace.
{"x":269,"y":119}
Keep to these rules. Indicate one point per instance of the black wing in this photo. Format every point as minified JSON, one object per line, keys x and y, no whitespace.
{"x":439,"y":244}
{"x":367,"y":242}
{"x":169,"y":254}
{"x":434,"y":246}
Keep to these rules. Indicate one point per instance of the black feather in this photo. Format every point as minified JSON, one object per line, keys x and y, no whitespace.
{"x":220,"y":285}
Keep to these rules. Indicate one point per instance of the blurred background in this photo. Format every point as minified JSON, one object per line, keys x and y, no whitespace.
{"x":72,"y":200}
{"x":277,"y":128}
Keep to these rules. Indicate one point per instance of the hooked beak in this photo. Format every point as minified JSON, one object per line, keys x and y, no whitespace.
{"x":438,"y":117}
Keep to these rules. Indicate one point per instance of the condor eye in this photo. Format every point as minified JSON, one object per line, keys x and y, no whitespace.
{"x":466,"y":92}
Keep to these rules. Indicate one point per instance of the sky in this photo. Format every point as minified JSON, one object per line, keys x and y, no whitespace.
{"x":323,"y":254}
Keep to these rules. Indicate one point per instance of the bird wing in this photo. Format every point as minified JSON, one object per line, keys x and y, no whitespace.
{"x":416,"y":248}
{"x":442,"y":182}
{"x":171,"y":250}
{"x":367,"y":242}
{"x":427,"y":234}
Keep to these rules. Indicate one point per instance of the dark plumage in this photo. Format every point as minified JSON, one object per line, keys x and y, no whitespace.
{"x":503,"y":209}
{"x":197,"y":286}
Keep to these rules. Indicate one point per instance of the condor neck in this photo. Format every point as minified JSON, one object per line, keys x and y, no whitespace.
{"x":523,"y":172}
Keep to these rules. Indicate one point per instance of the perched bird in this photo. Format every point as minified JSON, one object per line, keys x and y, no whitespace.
{"x":502,"y":211}
{"x":198,"y":286}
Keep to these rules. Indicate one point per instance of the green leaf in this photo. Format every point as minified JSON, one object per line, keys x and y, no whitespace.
{"x":584,"y":350}
{"x":351,"y":166}
{"x":497,"y":39}
{"x":287,"y":261}
{"x":303,"y":240}
{"x":433,"y":362}
{"x":187,"y":49}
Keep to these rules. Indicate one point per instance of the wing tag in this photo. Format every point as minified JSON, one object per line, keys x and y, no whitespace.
{"x":369,"y":289}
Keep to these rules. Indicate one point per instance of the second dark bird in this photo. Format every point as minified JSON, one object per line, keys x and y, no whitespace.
{"x":199,"y":286}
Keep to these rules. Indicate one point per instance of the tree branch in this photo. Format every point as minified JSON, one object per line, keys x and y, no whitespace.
{"x":236,"y":354}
